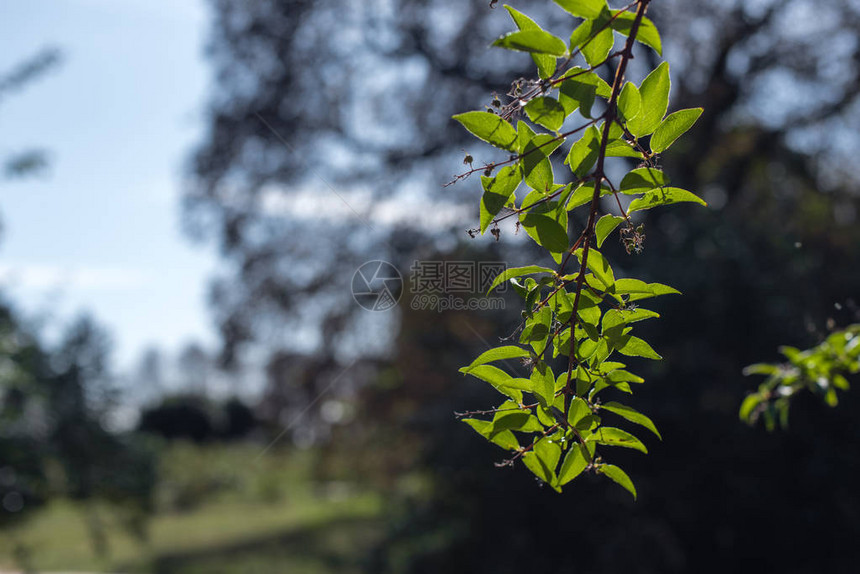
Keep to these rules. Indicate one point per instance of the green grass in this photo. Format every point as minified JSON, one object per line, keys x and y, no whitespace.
{"x":297,"y":527}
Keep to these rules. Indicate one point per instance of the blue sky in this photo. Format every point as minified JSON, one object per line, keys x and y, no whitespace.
{"x":101,"y":230}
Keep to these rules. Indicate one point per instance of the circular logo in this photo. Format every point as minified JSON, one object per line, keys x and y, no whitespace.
{"x":377,"y":286}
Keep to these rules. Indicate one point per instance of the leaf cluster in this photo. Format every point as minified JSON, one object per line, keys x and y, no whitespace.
{"x":580,"y":317}
{"x":821,"y":370}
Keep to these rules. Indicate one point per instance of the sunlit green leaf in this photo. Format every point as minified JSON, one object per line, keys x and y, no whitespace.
{"x":573,"y":465}
{"x":673,"y":127}
{"x":622,"y":148}
{"x":547,"y":225}
{"x":536,"y":165}
{"x":547,"y":112}
{"x":490,"y":128}
{"x":631,"y":415}
{"x":646,"y":34}
{"x":543,"y":459}
{"x":497,"y":354}
{"x":664,"y":196}
{"x":543,"y":383}
{"x":655,"y":100}
{"x":518,"y":272}
{"x":545,"y":63}
{"x":588,"y":9}
{"x":611,"y":436}
{"x":599,"y":266}
{"x":637,"y":289}
{"x":534,"y":41}
{"x":594,"y":39}
{"x":500,"y":380}
{"x":497,"y":191}
{"x":620,"y":477}
{"x":635,"y":347}
{"x":629,"y":101}
{"x":579,"y":89}
{"x":584,"y":152}
{"x":641,"y":180}
{"x":584,"y":194}
{"x":606,"y":225}
{"x":504,"y":439}
{"x":616,"y":317}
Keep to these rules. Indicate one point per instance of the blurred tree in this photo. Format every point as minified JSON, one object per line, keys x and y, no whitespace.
{"x":194,"y":417}
{"x":185,"y":416}
{"x":357,"y":98}
{"x":55,"y":407}
{"x":96,"y":464}
{"x":23,"y":482}
{"x":149,"y":380}
{"x":32,"y":161}
{"x":194,"y":368}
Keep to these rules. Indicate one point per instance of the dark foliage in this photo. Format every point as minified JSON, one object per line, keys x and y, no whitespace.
{"x":763,"y":267}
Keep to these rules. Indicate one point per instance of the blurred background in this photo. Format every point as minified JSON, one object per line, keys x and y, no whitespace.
{"x":188,"y":385}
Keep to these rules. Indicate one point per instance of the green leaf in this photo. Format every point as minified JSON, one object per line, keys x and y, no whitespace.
{"x":636,"y":347}
{"x":616,"y":317}
{"x":599,"y":266}
{"x":490,"y":128}
{"x":574,"y":463}
{"x":504,"y":439}
{"x":547,"y":112}
{"x":761,"y":369}
{"x":497,"y":192}
{"x":673,"y":127}
{"x":641,"y":180}
{"x":547,"y":225}
{"x":542,"y":460}
{"x":534,"y":41}
{"x":594,"y":39}
{"x":631,"y":415}
{"x":545,"y":63}
{"x":536,"y":330}
{"x":536,"y":165}
{"x":524,"y":135}
{"x":509,"y":416}
{"x":647,"y":33}
{"x":500,"y":380}
{"x":497,"y":354}
{"x":588,"y":9}
{"x":583,"y":194}
{"x":584,"y":152}
{"x":606,"y":225}
{"x":638,"y":289}
{"x":611,"y":436}
{"x":748,"y":406}
{"x":543,"y":384}
{"x":619,"y":477}
{"x":655,"y":101}
{"x":578,"y":410}
{"x":664,"y":196}
{"x":579,"y":88}
{"x":518,"y":272}
{"x":629,"y":101}
{"x":561,"y":305}
{"x":622,"y":376}
{"x":622,"y":148}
